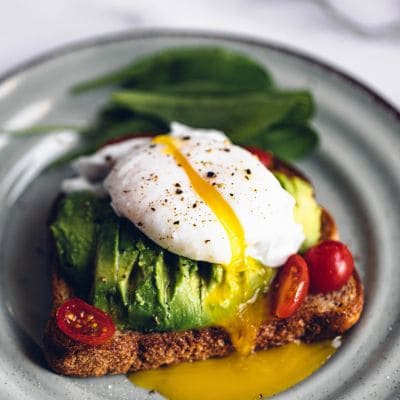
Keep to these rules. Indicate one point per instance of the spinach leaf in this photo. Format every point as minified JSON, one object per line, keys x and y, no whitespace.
{"x":114,"y":121}
{"x":40,"y":130}
{"x":241,"y":116}
{"x":188,"y":70}
{"x":205,"y":87}
{"x":287,"y":141}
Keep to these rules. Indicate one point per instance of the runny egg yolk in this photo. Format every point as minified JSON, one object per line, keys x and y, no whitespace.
{"x":256,"y":376}
{"x":213,"y":199}
{"x":244,"y":322}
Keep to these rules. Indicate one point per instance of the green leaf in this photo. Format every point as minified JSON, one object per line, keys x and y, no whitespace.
{"x":111,"y":122}
{"x":288,"y":142}
{"x":188,"y":70}
{"x":114,"y":121}
{"x":40,"y":130}
{"x":70,"y":156}
{"x":131,"y":127}
{"x":241,"y":116}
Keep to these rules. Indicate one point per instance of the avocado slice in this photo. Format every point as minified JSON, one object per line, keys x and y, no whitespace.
{"x":307,"y":211}
{"x":187,"y":296}
{"x":144,"y":309}
{"x":166,"y":292}
{"x":106,"y":267}
{"x":74,"y":230}
{"x":128,"y":254}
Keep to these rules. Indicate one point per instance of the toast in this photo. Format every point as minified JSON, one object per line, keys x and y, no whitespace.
{"x":321,"y":316}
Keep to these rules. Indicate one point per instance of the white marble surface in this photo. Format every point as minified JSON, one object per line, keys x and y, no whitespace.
{"x":361,"y":37}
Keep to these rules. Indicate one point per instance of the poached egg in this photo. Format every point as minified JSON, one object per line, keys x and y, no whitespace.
{"x":197,"y":195}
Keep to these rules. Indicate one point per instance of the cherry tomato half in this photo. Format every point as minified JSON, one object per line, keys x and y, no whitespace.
{"x":330,"y":264}
{"x":291,"y":287}
{"x":264,"y":156}
{"x":84,"y":323}
{"x":128,"y":136}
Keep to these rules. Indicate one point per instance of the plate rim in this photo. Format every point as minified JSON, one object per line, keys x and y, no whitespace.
{"x":384,"y":107}
{"x":151,"y":33}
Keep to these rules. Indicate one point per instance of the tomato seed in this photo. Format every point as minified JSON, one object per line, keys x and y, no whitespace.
{"x":71,"y":317}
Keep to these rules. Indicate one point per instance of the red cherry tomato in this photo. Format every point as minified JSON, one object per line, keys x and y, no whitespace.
{"x":330,"y":264}
{"x":128,"y":136}
{"x":291,"y":287}
{"x":264,"y":156}
{"x":84,"y":323}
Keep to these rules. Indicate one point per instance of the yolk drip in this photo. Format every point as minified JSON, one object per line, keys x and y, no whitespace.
{"x":235,"y":377}
{"x":223,"y":211}
{"x":244,"y":323}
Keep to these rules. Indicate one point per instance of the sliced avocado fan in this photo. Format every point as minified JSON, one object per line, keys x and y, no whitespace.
{"x":144,"y":287}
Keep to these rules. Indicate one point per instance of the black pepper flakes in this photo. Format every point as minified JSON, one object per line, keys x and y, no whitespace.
{"x":248,"y":171}
{"x":140,"y":224}
{"x":153,"y":209}
{"x":186,"y":138}
{"x":108,"y":158}
{"x":231,"y":194}
{"x":207,"y":241}
{"x":177,"y":185}
{"x":227,"y":150}
{"x":178,"y":191}
{"x":176,"y":222}
{"x":152,"y":146}
{"x":210,"y":174}
{"x":126,"y":191}
{"x":194,"y":205}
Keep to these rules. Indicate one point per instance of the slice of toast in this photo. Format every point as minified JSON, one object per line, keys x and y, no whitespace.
{"x":321,"y":316}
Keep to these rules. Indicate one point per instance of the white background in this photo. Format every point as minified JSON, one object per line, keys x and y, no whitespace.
{"x":361,"y":37}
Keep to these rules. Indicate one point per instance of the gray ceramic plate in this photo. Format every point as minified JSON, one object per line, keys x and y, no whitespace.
{"x":356,"y":171}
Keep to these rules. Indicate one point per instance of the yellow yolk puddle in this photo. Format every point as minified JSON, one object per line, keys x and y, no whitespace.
{"x":243,"y":325}
{"x":237,"y":377}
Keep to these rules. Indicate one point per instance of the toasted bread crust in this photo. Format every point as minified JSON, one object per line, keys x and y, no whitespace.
{"x":321,"y":316}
